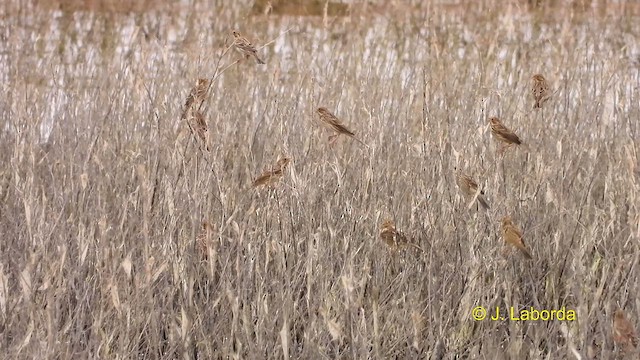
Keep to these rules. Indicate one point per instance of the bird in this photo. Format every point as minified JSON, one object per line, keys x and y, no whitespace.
{"x":624,"y":333}
{"x":203,"y":240}
{"x":540,"y":90}
{"x":200,"y":127}
{"x":272,"y":176}
{"x":513,"y":236}
{"x":469,"y":188}
{"x":197,"y":94}
{"x":394,"y":238}
{"x":333,"y":123}
{"x":503,"y":134}
{"x":245,"y":47}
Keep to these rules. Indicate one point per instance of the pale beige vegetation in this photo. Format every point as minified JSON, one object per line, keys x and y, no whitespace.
{"x":104,"y":189}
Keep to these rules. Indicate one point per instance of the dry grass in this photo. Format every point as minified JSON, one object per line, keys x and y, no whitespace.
{"x":103,"y":190}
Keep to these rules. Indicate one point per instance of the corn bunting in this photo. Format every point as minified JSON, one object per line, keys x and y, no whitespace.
{"x":244,"y":47}
{"x":503,"y":134}
{"x":201,"y":128}
{"x":540,"y":90}
{"x":271,"y":177}
{"x":469,"y":188}
{"x":513,"y":236}
{"x":333,"y":123}
{"x":197,"y":94}
{"x":394,"y":238}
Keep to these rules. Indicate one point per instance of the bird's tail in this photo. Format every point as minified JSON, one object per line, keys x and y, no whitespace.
{"x":483,"y":202}
{"x":526,"y":252}
{"x":360,"y":141}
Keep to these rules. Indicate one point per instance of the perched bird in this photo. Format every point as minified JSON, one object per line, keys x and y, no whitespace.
{"x":199,"y":125}
{"x":540,"y":90}
{"x":333,"y":123}
{"x":513,"y":236}
{"x":394,"y":238}
{"x":203,"y":240}
{"x":271,"y":177}
{"x":197,"y":94}
{"x":624,"y":333}
{"x":245,"y":47}
{"x":470,"y":188}
{"x":504,"y":135}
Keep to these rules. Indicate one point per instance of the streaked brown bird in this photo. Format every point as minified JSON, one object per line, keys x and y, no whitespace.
{"x":200,"y":127}
{"x":624,"y":334}
{"x":540,"y":90}
{"x":394,"y":238}
{"x":244,"y":47}
{"x":272,"y":176}
{"x":469,"y":188}
{"x":332,"y":122}
{"x":503,"y":134}
{"x":197,"y":95}
{"x":203,"y":240}
{"x":513,"y":236}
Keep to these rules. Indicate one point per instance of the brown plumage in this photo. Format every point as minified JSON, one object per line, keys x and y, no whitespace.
{"x":540,"y":90}
{"x":624,"y":334}
{"x":244,"y":47}
{"x":197,"y":94}
{"x":203,"y":240}
{"x":271,"y":177}
{"x":502,"y":133}
{"x":332,"y":122}
{"x":394,"y":238}
{"x":200,"y":127}
{"x":469,"y":188}
{"x":513,"y":236}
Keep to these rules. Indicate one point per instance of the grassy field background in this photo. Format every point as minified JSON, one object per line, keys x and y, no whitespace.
{"x":103,"y":189}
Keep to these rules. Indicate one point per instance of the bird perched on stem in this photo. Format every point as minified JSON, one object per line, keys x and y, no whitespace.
{"x":272,"y":176}
{"x":332,"y":122}
{"x":470,"y":188}
{"x":200,"y":127}
{"x":244,"y":47}
{"x":196,"y":95}
{"x":503,"y":134}
{"x":204,"y":239}
{"x":513,"y":236}
{"x":540,"y":90}
{"x":394,"y":238}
